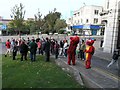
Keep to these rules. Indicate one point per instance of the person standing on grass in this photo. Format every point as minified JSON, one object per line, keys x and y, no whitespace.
{"x":33,"y":49}
{"x":15,"y":51}
{"x":42,"y":46}
{"x":56,"y":47}
{"x":39,"y":46}
{"x":52,"y":46}
{"x":61,"y":48}
{"x":47,"y":50}
{"x":8,"y":47}
{"x":23,"y":50}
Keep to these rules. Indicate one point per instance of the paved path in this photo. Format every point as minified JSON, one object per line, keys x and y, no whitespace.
{"x":96,"y":77}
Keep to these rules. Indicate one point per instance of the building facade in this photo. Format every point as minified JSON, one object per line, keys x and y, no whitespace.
{"x":111,"y":20}
{"x":87,"y":18}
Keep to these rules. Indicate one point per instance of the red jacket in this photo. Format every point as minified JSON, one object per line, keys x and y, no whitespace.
{"x":7,"y":45}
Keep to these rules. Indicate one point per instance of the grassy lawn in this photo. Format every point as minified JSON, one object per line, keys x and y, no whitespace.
{"x":39,"y":74}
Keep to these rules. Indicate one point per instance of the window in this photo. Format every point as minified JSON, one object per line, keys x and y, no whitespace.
{"x":78,"y":21}
{"x":96,"y":12}
{"x":75,"y":22}
{"x":81,"y":20}
{"x":75,"y":15}
{"x":69,"y":27}
{"x":95,"y":20}
{"x":108,"y":4}
{"x":78,"y":13}
{"x":86,"y":20}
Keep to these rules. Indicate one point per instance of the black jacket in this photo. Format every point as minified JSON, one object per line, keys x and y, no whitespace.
{"x":23,"y":48}
{"x":47,"y":46}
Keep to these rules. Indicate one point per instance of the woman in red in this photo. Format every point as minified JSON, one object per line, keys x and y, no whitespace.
{"x":89,"y":52}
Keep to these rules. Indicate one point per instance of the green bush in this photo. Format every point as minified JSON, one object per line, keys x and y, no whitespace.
{"x":61,"y":31}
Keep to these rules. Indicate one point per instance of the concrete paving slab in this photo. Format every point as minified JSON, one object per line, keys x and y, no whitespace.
{"x":93,"y":78}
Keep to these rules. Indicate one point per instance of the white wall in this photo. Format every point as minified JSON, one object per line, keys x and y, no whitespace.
{"x":87,"y":12}
{"x":111,"y":29}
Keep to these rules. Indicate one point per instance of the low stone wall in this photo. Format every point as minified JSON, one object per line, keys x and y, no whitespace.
{"x":58,"y":37}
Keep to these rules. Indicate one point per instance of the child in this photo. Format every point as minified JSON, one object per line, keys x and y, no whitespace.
{"x":114,"y":58}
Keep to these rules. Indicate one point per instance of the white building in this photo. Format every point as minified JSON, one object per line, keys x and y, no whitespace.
{"x":87,"y":17}
{"x":69,"y":24}
{"x":111,"y":19}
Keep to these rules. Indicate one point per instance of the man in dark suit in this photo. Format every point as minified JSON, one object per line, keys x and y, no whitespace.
{"x":47,"y":49}
{"x":23,"y":50}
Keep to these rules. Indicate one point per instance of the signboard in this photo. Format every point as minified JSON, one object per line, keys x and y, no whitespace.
{"x":3,"y":27}
{"x":86,"y":26}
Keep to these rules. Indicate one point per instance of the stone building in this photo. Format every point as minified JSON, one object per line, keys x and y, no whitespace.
{"x":111,"y":20}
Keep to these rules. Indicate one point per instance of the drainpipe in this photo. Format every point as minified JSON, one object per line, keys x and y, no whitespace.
{"x":114,"y":26}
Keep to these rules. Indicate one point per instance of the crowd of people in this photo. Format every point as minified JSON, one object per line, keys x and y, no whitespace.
{"x":35,"y":46}
{"x":30,"y":47}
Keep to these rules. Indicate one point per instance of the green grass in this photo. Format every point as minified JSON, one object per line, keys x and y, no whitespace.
{"x":39,"y":74}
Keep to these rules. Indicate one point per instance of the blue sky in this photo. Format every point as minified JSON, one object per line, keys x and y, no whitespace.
{"x":31,"y":6}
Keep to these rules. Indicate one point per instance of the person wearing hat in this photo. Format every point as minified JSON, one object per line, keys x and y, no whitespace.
{"x":89,"y":52}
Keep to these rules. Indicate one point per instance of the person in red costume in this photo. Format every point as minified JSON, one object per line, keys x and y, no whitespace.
{"x":89,"y":52}
{"x":72,"y":48}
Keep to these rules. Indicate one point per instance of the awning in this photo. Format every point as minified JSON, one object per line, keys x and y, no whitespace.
{"x":95,"y":27}
{"x":77,"y":27}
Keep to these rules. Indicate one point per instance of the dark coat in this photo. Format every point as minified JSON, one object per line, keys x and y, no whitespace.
{"x":47,"y":46}
{"x":23,"y":48}
{"x":33,"y":47}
